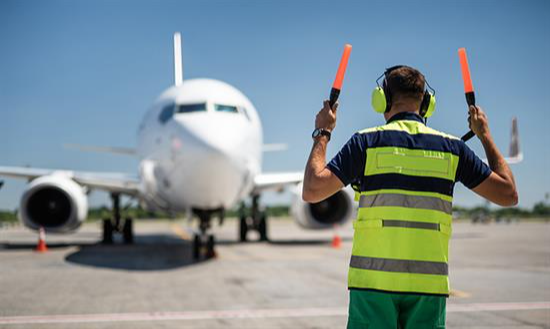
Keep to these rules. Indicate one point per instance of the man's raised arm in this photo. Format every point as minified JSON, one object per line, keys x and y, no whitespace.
{"x":500,"y":186}
{"x":319,"y":181}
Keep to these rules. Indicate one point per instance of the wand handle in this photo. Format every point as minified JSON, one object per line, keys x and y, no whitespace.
{"x":334,"y":93}
{"x":468,"y":136}
{"x":471,"y":100}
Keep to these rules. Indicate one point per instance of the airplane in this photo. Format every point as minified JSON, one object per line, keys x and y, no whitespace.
{"x":200,"y":150}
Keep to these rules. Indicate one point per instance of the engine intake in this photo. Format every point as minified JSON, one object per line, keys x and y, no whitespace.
{"x":54,"y":202}
{"x":337,"y":209}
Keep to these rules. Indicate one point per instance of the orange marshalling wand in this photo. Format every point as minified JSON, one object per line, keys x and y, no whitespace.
{"x":337,"y":85}
{"x":468,"y":86}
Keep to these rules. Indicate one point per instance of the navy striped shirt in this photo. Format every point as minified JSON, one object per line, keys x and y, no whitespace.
{"x":349,"y":164}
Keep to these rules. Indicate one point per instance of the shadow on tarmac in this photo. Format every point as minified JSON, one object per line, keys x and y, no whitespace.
{"x":148,"y":253}
{"x":283,"y":242}
{"x":151,"y":252}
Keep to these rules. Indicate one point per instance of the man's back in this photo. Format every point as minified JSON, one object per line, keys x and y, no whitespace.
{"x":405,"y":173}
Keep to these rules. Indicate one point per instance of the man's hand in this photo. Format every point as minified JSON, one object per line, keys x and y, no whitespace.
{"x":478,"y":122}
{"x":326,"y":118}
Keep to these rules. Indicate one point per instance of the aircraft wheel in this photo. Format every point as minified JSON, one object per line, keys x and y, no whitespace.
{"x":107,"y":231}
{"x":210,"y":252}
{"x":196,"y":247}
{"x":128,"y":231}
{"x":262,"y":227}
{"x":243,"y":229}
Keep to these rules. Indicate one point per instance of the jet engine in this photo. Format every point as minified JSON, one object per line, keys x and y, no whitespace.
{"x":54,"y":202}
{"x":337,"y":209}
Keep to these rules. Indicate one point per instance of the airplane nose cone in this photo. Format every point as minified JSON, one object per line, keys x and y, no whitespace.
{"x":213,"y":161}
{"x":214,"y":137}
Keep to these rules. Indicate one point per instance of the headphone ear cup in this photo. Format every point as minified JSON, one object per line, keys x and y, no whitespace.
{"x":431,"y":106}
{"x":424,"y":104}
{"x":378,"y":100}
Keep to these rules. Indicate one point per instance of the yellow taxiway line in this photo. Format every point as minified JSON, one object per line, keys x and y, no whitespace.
{"x":459,"y":293}
{"x":180,"y":232}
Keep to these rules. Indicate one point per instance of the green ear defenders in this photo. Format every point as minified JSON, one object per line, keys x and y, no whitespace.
{"x":381,"y":96}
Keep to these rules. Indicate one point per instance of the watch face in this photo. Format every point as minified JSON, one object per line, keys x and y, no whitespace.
{"x":320,"y":132}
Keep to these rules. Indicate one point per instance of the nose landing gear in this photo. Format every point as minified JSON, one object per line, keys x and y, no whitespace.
{"x":203,"y":241}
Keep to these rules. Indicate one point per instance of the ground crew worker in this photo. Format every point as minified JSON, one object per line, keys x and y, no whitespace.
{"x":404,"y":174}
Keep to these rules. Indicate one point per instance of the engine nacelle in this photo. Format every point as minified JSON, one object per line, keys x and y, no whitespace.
{"x":150,"y":176}
{"x":337,"y":209}
{"x":54,"y":202}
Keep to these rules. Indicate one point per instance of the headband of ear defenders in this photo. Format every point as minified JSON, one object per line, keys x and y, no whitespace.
{"x":381,"y":96}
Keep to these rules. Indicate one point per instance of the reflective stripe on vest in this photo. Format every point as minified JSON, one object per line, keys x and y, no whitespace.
{"x":408,"y":201}
{"x":404,"y":219}
{"x":398,"y":265}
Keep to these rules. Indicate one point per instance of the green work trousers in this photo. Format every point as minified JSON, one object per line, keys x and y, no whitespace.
{"x":384,"y":310}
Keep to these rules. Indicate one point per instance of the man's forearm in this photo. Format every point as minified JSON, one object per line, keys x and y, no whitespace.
{"x":319,"y":183}
{"x":496,"y":161}
{"x":316,"y":161}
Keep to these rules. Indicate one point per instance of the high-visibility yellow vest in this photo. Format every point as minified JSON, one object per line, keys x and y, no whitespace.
{"x":403,"y":225}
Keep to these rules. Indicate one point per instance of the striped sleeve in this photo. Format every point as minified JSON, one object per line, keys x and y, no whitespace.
{"x":471,"y":169}
{"x":349,"y":164}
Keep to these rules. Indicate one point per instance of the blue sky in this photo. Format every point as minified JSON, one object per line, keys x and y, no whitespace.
{"x":86,"y":71}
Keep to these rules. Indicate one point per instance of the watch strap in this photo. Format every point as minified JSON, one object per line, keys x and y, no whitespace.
{"x":321,"y":132}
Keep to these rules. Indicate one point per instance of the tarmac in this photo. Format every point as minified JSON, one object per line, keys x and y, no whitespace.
{"x":500,"y":276}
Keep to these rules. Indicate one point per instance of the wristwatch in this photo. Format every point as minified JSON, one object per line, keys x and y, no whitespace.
{"x":321,"y":132}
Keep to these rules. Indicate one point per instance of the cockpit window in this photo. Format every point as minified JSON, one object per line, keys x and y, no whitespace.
{"x":166,"y":113}
{"x":188,"y":108}
{"x":226,"y":108}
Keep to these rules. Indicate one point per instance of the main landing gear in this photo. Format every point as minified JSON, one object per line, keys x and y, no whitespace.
{"x":116,"y":224}
{"x":203,"y":241}
{"x":255,"y":221}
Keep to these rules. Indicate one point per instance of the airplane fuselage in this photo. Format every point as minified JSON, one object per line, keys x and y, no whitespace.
{"x":200,"y":147}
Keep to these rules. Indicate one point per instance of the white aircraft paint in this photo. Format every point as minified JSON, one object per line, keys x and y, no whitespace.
{"x":205,"y":159}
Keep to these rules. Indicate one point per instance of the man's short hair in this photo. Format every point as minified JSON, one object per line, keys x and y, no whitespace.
{"x":405,"y":83}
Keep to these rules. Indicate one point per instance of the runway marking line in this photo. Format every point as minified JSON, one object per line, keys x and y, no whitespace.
{"x":180,"y":232}
{"x":246,"y":314}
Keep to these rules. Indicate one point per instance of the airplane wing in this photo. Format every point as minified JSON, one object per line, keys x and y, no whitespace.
{"x":110,"y":182}
{"x":276,"y":181}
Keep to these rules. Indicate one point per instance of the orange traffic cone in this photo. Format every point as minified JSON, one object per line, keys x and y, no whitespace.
{"x":336,"y":240}
{"x":41,"y":246}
